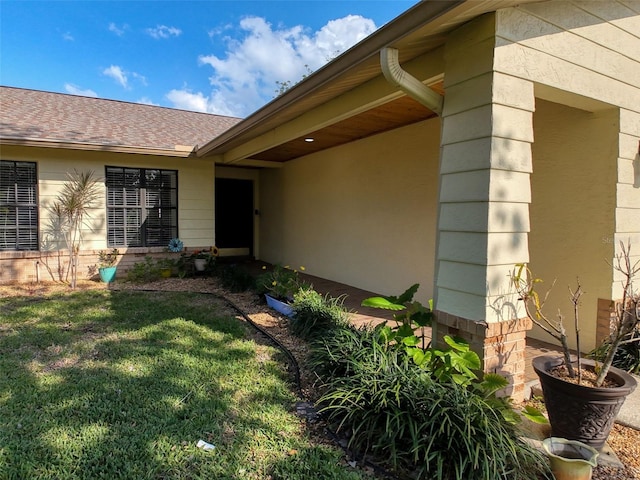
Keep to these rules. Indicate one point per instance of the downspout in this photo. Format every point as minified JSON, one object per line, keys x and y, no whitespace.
{"x":428,"y":97}
{"x":409,"y":84}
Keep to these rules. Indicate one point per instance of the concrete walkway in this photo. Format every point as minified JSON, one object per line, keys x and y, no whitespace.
{"x":629,"y":415}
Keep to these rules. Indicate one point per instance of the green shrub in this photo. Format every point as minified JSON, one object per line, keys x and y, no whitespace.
{"x":146,"y":271}
{"x":234,"y":278}
{"x":627,"y":357}
{"x":337,"y":354}
{"x":150,"y":269}
{"x":397,"y":411}
{"x":279,"y":282}
{"x":316,"y":315}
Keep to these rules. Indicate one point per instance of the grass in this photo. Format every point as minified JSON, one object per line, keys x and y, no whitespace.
{"x":107,"y":384}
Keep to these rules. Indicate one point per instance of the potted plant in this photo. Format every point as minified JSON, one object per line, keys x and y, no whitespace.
{"x":203,"y":259}
{"x":278,"y":286}
{"x":107,"y":265}
{"x":166,"y":266}
{"x":583,"y":397}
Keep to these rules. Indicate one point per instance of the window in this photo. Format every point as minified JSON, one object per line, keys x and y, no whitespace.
{"x":142,"y":207}
{"x":18,"y":206}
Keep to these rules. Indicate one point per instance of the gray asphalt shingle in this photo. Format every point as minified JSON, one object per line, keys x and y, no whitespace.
{"x":38,"y":115}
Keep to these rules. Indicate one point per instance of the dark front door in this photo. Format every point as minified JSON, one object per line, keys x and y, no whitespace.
{"x":234,"y":215}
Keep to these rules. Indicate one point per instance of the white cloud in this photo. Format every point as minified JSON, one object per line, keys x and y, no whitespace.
{"x":119,"y":31}
{"x":76,"y":90}
{"x":246,"y":78}
{"x":141,"y":78}
{"x":121,"y":76}
{"x":68,"y":37}
{"x":186,"y":100}
{"x":147,"y":101}
{"x":162,"y":31}
{"x":116,"y":72}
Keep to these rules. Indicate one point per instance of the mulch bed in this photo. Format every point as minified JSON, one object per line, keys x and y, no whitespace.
{"x":624,"y":441}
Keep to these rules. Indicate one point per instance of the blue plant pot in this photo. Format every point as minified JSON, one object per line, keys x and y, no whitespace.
{"x":107,"y":274}
{"x":279,"y":306}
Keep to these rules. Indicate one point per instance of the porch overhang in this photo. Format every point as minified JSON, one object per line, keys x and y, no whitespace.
{"x":319,"y":108}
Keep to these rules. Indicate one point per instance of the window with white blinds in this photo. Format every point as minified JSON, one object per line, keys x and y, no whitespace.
{"x":18,"y":206}
{"x":142,"y":206}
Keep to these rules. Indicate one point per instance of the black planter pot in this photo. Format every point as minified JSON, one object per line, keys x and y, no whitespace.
{"x":578,"y":412}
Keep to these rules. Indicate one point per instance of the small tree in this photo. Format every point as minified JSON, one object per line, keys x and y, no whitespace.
{"x":70,"y":209}
{"x":626,"y":312}
{"x":625,"y":319}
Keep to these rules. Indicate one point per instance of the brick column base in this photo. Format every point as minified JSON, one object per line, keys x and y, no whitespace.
{"x":500,"y":345}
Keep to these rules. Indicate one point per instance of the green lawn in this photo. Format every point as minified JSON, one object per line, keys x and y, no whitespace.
{"x":107,"y":384}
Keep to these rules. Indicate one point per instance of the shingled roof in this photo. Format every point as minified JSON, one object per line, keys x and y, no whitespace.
{"x":32,"y":116}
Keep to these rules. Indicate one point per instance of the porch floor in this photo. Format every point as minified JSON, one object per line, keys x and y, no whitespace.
{"x":364,"y":315}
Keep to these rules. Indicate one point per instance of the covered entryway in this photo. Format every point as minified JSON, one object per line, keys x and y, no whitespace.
{"x":234,"y":217}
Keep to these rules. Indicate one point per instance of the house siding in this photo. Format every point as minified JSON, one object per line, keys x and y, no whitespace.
{"x":484,"y":178}
{"x":195,"y":203}
{"x":534,"y":42}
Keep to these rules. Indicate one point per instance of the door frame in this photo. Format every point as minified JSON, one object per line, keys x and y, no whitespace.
{"x":234,"y":173}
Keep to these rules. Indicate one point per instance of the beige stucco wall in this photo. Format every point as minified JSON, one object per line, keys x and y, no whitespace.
{"x":363,"y":214}
{"x":572,"y":209}
{"x":195,"y":189}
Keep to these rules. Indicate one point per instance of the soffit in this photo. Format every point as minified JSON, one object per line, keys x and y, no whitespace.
{"x":397,"y":113}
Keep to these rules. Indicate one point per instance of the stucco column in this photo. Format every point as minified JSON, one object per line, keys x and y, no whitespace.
{"x":484,"y":202}
{"x":627,"y":216}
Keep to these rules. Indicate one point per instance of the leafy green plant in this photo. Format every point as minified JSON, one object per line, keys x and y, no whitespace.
{"x":394,"y":410}
{"x":165,"y":263}
{"x":234,"y":278}
{"x":279,"y":282}
{"x":108,"y":259}
{"x":626,"y":358}
{"x":411,"y":317}
{"x":336,"y":354}
{"x":69,"y":211}
{"x":146,"y":271}
{"x":455,"y":363}
{"x":316,"y":315}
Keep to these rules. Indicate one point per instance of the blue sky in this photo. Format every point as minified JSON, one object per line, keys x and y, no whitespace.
{"x":222,"y":57}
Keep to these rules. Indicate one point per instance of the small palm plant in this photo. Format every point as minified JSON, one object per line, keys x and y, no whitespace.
{"x":70,"y":209}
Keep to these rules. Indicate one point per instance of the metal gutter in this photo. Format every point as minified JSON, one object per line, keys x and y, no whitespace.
{"x":405,"y":24}
{"x":178,"y":151}
{"x":409,"y":84}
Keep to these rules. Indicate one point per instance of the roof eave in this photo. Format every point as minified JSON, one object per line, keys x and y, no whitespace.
{"x":179,"y":151}
{"x":414,"y":18}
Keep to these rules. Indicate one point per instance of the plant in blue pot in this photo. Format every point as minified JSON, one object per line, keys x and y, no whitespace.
{"x":278,"y":286}
{"x":107,"y":265}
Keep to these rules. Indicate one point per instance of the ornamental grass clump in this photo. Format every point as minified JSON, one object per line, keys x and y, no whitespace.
{"x":424,"y":410}
{"x":391,"y":409}
{"x":316,"y":315}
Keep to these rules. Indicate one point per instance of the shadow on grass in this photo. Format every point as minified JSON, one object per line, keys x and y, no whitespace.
{"x":123,"y":385}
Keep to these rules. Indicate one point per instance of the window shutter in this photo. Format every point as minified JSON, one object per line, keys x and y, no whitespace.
{"x":141,"y":206}
{"x":18,"y":206}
